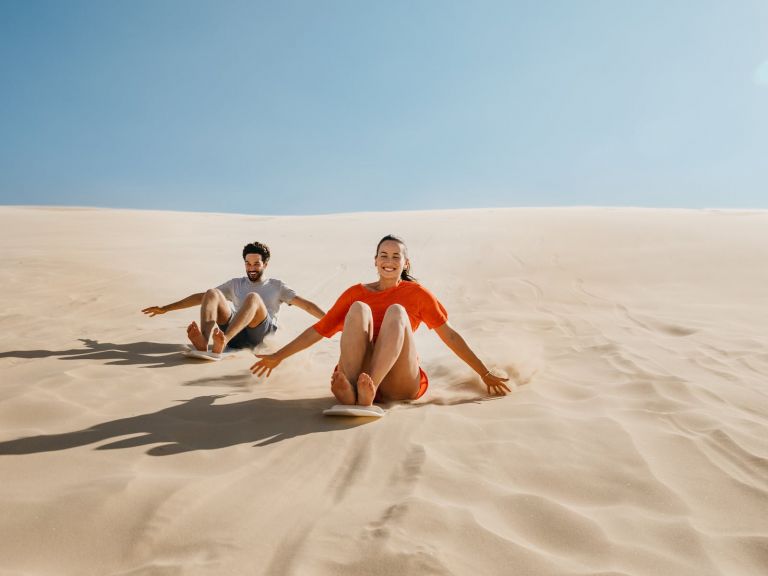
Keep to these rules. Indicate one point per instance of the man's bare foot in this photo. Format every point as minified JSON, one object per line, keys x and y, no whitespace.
{"x":366,"y":390}
{"x":196,"y":337}
{"x":342,"y":389}
{"x":219,"y":341}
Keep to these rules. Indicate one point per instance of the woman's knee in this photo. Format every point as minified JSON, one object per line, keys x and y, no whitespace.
{"x":396,"y":313}
{"x":359,"y":310}
{"x":358,"y":316}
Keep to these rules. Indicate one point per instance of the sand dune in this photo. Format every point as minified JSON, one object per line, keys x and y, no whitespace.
{"x":637,"y":446}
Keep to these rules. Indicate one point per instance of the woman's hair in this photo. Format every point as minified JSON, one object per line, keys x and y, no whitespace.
{"x":405,"y":274}
{"x":257,"y":248}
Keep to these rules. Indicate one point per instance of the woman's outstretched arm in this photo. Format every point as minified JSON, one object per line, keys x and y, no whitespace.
{"x":269,"y":362}
{"x":496,"y":385}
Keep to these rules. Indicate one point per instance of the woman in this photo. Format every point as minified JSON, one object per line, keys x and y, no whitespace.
{"x":378,"y":360}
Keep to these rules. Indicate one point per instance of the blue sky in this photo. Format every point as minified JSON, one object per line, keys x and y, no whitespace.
{"x":335,"y":106}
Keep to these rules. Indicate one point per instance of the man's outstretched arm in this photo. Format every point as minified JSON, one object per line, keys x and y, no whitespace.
{"x":191,"y":300}
{"x":308,"y":307}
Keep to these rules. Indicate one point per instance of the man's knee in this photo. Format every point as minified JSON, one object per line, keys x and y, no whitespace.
{"x":213,"y":294}
{"x":213,"y":297}
{"x":253,"y":299}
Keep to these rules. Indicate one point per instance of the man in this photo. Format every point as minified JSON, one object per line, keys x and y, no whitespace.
{"x":245,"y":309}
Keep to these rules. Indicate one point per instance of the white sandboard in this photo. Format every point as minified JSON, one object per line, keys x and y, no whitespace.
{"x":347,"y":410}
{"x":204,"y":355}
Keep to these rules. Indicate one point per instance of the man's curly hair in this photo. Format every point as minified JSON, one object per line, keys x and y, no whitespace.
{"x":257,"y":248}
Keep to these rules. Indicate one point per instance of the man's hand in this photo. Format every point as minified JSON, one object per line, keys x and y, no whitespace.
{"x":307,"y":306}
{"x":154,"y":310}
{"x":267,"y":363}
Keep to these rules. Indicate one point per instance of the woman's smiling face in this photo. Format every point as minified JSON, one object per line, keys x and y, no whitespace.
{"x":391,"y":259}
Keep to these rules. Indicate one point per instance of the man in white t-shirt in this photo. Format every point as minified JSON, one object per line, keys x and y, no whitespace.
{"x":242,"y":311}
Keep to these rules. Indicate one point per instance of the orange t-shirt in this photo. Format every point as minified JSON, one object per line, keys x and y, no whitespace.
{"x":420,"y":304}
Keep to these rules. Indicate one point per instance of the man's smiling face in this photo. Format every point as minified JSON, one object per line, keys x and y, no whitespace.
{"x":254,"y":267}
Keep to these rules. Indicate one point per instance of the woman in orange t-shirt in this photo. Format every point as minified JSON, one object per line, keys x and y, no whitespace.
{"x":378,"y":359}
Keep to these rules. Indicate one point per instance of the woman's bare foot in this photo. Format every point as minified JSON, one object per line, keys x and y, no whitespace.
{"x":366,"y":390}
{"x":196,"y":337}
{"x":342,"y":389}
{"x":219,"y":341}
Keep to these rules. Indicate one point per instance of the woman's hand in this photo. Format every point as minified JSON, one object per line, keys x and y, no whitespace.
{"x":496,"y":384}
{"x":267,"y":363}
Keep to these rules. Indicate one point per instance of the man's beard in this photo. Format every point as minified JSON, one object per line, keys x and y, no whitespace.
{"x":254,"y":276}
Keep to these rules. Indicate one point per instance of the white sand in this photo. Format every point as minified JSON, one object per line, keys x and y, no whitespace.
{"x":638,"y":448}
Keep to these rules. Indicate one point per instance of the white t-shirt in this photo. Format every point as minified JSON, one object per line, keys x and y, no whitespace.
{"x":272,"y":291}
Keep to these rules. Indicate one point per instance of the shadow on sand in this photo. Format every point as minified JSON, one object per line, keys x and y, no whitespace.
{"x":147,"y":354}
{"x":197,"y":424}
{"x":243,"y":380}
